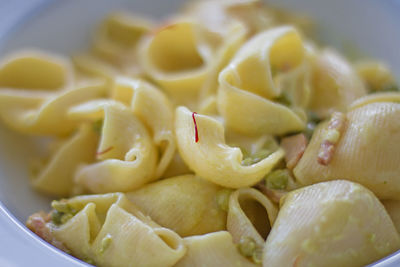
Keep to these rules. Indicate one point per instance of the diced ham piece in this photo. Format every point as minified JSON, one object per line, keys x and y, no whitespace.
{"x":331,"y":137}
{"x":294,"y":147}
{"x":37,"y":223}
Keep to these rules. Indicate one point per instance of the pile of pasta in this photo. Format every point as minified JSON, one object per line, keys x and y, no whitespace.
{"x":223,"y":137}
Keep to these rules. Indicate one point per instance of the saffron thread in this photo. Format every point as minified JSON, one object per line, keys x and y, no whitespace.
{"x":104,"y":151}
{"x":196,"y":133}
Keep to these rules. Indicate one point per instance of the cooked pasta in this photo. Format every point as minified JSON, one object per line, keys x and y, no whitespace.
{"x":222,"y":136}
{"x":342,"y":224}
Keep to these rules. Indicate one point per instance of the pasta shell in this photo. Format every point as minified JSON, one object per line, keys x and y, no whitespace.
{"x":35,"y":70}
{"x":171,"y":56}
{"x":154,"y":109}
{"x":217,"y":15}
{"x":265,"y":116}
{"x":186,"y":204}
{"x":336,"y":223}
{"x":376,"y":75}
{"x":214,"y":249}
{"x":210,"y":158}
{"x":88,"y":66}
{"x":118,"y":36}
{"x":46,"y":114}
{"x":393,"y":209}
{"x":251,"y":215}
{"x":367,"y":151}
{"x":335,"y":85}
{"x":57,"y":177}
{"x":278,"y":49}
{"x":375,"y":98}
{"x":126,"y":152}
{"x":176,"y":167}
{"x":113,"y":217}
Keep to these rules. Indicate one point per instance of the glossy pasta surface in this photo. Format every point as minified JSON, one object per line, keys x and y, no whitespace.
{"x":224,"y":135}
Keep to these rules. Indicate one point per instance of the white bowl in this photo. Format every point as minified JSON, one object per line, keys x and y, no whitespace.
{"x":66,"y":26}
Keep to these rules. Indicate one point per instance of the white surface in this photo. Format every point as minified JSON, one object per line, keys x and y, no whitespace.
{"x":64,"y":26}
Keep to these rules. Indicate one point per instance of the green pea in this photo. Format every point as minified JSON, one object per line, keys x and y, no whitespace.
{"x":247,"y":246}
{"x":277,"y":179}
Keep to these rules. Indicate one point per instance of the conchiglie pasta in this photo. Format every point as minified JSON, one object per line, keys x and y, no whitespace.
{"x":376,"y":98}
{"x":337,"y":223}
{"x":108,"y":230}
{"x":186,"y":204}
{"x":335,"y":85}
{"x":154,"y":109}
{"x":376,"y":75}
{"x":87,"y":66}
{"x":219,"y":136}
{"x":46,"y":114}
{"x":393,"y":209}
{"x":275,"y":50}
{"x":218,"y":15}
{"x":118,"y":36}
{"x":214,"y":249}
{"x":35,"y":70}
{"x":249,"y":80}
{"x":231,"y":41}
{"x":176,"y":167}
{"x":367,"y":151}
{"x":251,"y":215}
{"x":57,"y":176}
{"x":171,"y":56}
{"x":127,"y":156}
{"x":265,"y":116}
{"x":210,"y":158}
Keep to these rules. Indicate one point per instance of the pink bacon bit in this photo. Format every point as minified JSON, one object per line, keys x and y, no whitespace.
{"x":108,"y":149}
{"x":327,"y":148}
{"x":37,"y":223}
{"x":294,"y":147}
{"x":196,"y":132}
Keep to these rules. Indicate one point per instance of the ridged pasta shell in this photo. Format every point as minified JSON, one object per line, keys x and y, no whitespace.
{"x":375,"y":98}
{"x":171,"y":56}
{"x":41,"y":114}
{"x":214,"y":249}
{"x":134,"y":239}
{"x":251,"y":215}
{"x":335,"y":84}
{"x":376,"y":75}
{"x":336,"y":223}
{"x":393,"y":209}
{"x":35,"y":70}
{"x":186,"y":204}
{"x":117,"y":36}
{"x":154,"y":110}
{"x":211,"y":158}
{"x":368,"y":151}
{"x":126,"y":153}
{"x":249,"y":81}
{"x":57,"y":177}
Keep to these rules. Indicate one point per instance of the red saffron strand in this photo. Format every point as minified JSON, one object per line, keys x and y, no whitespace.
{"x":104,"y":151}
{"x":196,"y":132}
